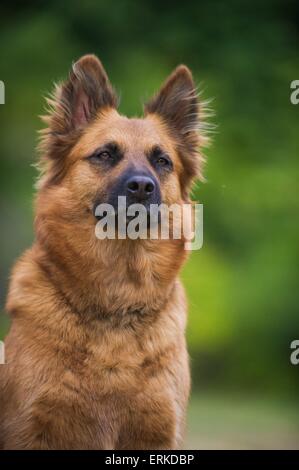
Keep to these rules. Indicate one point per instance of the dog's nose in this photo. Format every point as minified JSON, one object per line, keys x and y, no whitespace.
{"x":140,"y":187}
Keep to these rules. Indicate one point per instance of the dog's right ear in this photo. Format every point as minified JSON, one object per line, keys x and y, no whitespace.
{"x":77,"y":101}
{"x":74,"y":104}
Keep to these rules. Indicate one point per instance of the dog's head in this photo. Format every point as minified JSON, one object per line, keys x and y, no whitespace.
{"x":96,"y":154}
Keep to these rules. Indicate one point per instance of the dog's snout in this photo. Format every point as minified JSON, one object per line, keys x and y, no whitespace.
{"x":140,"y":187}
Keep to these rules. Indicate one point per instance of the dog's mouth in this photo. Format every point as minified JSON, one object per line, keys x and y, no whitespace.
{"x":152,"y":221}
{"x":124,"y":216}
{"x":146,"y":217}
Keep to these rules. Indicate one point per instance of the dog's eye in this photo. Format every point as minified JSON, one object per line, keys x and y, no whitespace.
{"x":101,"y":156}
{"x":107,"y":155}
{"x":104,"y":155}
{"x":162,"y":161}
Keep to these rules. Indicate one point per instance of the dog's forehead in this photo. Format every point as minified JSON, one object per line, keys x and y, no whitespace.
{"x":130,"y":133}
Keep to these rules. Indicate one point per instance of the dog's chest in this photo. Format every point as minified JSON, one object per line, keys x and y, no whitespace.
{"x":128,"y":393}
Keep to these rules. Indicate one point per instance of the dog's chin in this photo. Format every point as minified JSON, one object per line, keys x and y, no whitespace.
{"x":125,"y":219}
{"x":125,"y":226}
{"x":147,"y":221}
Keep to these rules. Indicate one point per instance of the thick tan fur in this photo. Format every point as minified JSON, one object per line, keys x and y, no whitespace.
{"x":96,"y":353}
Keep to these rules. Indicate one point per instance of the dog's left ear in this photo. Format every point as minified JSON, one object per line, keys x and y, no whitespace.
{"x":177,"y":105}
{"x":77,"y":101}
{"x":74,"y":104}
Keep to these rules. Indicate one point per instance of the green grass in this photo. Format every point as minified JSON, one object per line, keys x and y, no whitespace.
{"x":223,"y":422}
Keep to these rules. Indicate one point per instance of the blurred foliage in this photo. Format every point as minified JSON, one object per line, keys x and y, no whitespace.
{"x":243,"y":284}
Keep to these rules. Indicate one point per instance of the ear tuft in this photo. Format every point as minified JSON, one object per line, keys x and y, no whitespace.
{"x":88,"y":90}
{"x":73,"y":105}
{"x":77,"y":101}
{"x":179,"y":87}
{"x":178,"y":106}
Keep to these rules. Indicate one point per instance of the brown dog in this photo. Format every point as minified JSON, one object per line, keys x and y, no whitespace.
{"x":96,"y":354}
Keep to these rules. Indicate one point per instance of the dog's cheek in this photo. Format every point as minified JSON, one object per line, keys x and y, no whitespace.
{"x":170,"y":189}
{"x":83,"y":184}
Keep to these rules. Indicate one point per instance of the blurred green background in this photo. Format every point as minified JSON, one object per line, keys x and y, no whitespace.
{"x":243,"y":284}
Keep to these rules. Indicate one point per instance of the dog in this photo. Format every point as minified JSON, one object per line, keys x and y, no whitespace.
{"x":96,"y":354}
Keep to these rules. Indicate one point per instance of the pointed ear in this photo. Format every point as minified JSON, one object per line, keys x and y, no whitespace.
{"x":74,"y":104}
{"x":177,"y":105}
{"x":77,"y":101}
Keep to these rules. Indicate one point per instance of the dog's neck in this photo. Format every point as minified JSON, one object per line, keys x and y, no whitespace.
{"x":110,"y":279}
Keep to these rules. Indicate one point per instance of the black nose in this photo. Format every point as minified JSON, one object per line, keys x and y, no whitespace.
{"x":141,"y":187}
